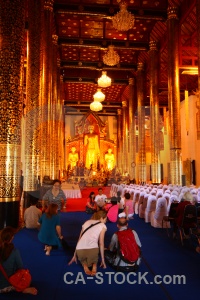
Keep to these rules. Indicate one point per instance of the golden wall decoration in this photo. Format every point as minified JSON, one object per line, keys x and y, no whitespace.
{"x":187,"y":171}
{"x":11,"y":97}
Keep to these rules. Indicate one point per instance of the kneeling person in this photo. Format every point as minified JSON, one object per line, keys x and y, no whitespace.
{"x":124,"y":250}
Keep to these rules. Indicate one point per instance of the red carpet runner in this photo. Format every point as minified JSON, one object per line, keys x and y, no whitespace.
{"x":78,"y":204}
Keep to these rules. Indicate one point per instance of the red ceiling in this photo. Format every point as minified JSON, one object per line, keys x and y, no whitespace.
{"x":85,"y":31}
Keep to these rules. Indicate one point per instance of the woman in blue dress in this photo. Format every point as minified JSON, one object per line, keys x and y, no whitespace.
{"x":50,"y":230}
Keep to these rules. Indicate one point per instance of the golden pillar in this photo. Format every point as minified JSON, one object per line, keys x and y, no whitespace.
{"x":12,"y":20}
{"x":124,"y":138}
{"x":62,"y":159}
{"x":31,"y":151}
{"x":198,"y":45}
{"x":141,"y":122}
{"x":197,"y":93}
{"x":54,"y":167}
{"x":174,"y":96}
{"x":154,"y":112}
{"x":132,"y":139}
{"x":59,"y":123}
{"x":119,"y":139}
{"x":46,"y":99}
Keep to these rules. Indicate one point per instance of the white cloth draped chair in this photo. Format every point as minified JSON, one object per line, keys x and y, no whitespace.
{"x":125,"y":190}
{"x":151,"y":206}
{"x":120,"y":189}
{"x":173,"y":198}
{"x":159,"y":213}
{"x":132,"y":192}
{"x":198,"y":195}
{"x":159,"y":194}
{"x":137,"y":204}
{"x":167,"y":196}
{"x":165,"y":187}
{"x":136,"y":200}
{"x":143,"y":205}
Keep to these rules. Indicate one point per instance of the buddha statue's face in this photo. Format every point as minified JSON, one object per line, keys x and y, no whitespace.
{"x":73,"y":149}
{"x":91,"y":129}
{"x":109,"y":150}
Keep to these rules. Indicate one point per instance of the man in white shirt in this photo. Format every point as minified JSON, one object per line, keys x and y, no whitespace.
{"x":32,"y":214}
{"x":100,"y":200}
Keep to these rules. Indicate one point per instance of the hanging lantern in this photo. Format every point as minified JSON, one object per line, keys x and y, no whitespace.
{"x":99,"y":96}
{"x":104,"y":80}
{"x":96,"y":106}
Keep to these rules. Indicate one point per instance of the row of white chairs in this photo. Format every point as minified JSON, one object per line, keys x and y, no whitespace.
{"x":152,"y":202}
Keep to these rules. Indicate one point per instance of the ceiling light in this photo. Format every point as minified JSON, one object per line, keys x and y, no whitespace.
{"x":96,"y":106}
{"x":111,"y":58}
{"x":104,"y":80}
{"x":123,"y":20}
{"x":99,"y":96}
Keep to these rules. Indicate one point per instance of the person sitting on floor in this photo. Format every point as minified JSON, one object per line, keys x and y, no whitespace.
{"x":11,"y":261}
{"x":112,"y":210}
{"x":91,"y":206}
{"x":90,"y":240}
{"x":32,"y":215}
{"x":100,"y":200}
{"x":113,"y":254}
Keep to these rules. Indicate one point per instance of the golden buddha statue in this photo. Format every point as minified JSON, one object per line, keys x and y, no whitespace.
{"x":91,"y":141}
{"x":109,"y":159}
{"x":73,"y":157}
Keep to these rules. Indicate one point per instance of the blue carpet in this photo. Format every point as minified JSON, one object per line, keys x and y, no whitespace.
{"x":55,"y":280}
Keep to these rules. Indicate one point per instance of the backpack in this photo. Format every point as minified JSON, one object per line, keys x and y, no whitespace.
{"x":129,"y":251}
{"x":112,"y":213}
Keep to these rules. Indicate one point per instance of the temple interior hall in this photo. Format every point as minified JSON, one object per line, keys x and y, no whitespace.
{"x":95,"y":93}
{"x":101,"y":94}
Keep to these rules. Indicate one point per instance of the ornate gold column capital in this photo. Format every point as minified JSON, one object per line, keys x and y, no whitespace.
{"x":172,"y":12}
{"x":55,"y":39}
{"x":153,"y":45}
{"x":124,"y":104}
{"x":119,"y":112}
{"x":48,"y":5}
{"x":131,"y":81}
